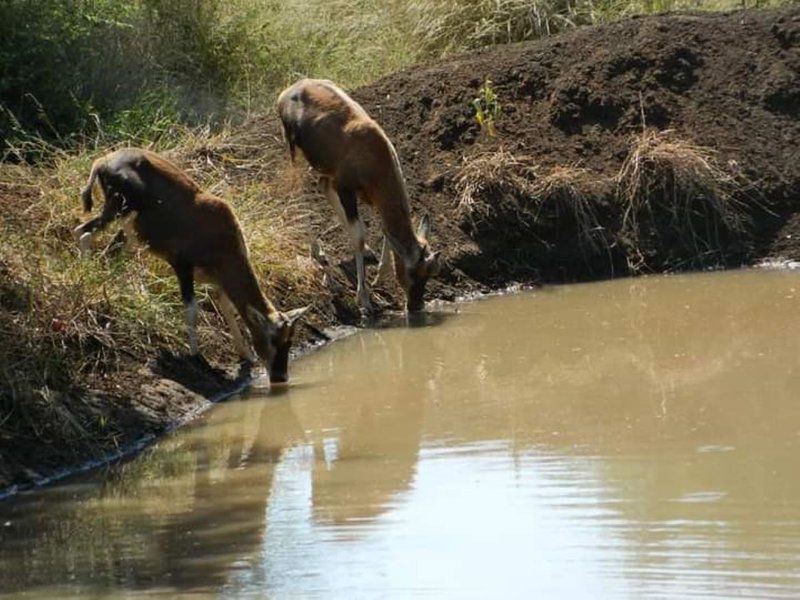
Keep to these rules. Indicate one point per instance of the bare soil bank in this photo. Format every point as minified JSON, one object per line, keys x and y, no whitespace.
{"x":727,"y":82}
{"x":574,"y":109}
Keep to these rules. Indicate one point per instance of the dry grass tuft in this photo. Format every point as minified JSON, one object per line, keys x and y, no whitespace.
{"x":491,"y":179}
{"x":573,"y":191}
{"x":668,"y":178}
{"x":501,"y":183}
{"x":658,"y":158}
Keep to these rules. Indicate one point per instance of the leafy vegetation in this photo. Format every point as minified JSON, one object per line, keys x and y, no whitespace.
{"x":487,"y":108}
{"x":103,"y":70}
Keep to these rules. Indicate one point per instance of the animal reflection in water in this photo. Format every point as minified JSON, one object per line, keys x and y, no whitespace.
{"x":206,"y":496}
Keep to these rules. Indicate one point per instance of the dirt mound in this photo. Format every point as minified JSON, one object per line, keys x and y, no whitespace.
{"x":725,"y":85}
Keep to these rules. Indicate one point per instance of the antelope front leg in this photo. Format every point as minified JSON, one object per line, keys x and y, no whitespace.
{"x":85,"y":245}
{"x":85,"y":232}
{"x":191,"y":326}
{"x":131,"y":238}
{"x":355,"y":227}
{"x":384,"y":264}
{"x":335,"y":201}
{"x":185,"y":273}
{"x":344,"y":201}
{"x":229,"y":314}
{"x":362,"y":291}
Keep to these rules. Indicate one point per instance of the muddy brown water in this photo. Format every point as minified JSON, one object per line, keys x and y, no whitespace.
{"x":633,"y":438}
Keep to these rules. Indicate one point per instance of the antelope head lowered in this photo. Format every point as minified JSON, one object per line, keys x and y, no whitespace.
{"x":200,"y":237}
{"x":358,"y":162}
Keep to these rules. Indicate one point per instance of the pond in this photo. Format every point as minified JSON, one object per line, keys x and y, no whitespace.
{"x":637,"y":437}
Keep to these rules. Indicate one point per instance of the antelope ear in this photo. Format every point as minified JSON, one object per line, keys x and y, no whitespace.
{"x":424,"y":228}
{"x":257,"y":317}
{"x":292,"y":315}
{"x":434,"y":263}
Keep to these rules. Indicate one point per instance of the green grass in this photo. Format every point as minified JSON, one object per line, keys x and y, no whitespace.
{"x":131,"y":70}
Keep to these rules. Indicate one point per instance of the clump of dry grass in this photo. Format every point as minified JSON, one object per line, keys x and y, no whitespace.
{"x":665,"y":177}
{"x":500,"y":183}
{"x":659,"y":159}
{"x":572,"y":191}
{"x":491,"y":180}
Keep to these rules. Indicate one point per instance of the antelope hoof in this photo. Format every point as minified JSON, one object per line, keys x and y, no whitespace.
{"x":198,"y":359}
{"x":247,"y":357}
{"x":85,"y":244}
{"x":318,"y":254}
{"x":364,"y":303}
{"x":365,"y":317}
{"x":366,"y":312}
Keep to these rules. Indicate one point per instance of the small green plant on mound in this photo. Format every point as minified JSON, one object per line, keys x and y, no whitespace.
{"x":677,"y":190}
{"x":487,"y":109}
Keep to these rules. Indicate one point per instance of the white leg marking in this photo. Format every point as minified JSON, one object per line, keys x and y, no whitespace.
{"x":357,"y":239}
{"x":229,"y":314}
{"x":85,"y":244}
{"x":191,"y":325}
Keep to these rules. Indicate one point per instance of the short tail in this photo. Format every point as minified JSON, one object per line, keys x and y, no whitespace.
{"x":86,"y":193}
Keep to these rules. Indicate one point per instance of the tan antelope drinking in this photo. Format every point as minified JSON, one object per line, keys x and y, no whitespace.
{"x":199,"y":236}
{"x":357,"y":161}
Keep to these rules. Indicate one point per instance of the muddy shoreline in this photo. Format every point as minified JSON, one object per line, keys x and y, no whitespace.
{"x":128,"y":452}
{"x":197,"y":401}
{"x":194,"y":403}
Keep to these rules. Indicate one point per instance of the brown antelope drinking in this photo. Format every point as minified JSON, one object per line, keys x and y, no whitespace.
{"x":199,"y":236}
{"x":357,"y":160}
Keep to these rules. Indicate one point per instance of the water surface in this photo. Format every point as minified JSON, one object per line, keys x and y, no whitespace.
{"x":633,"y":438}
